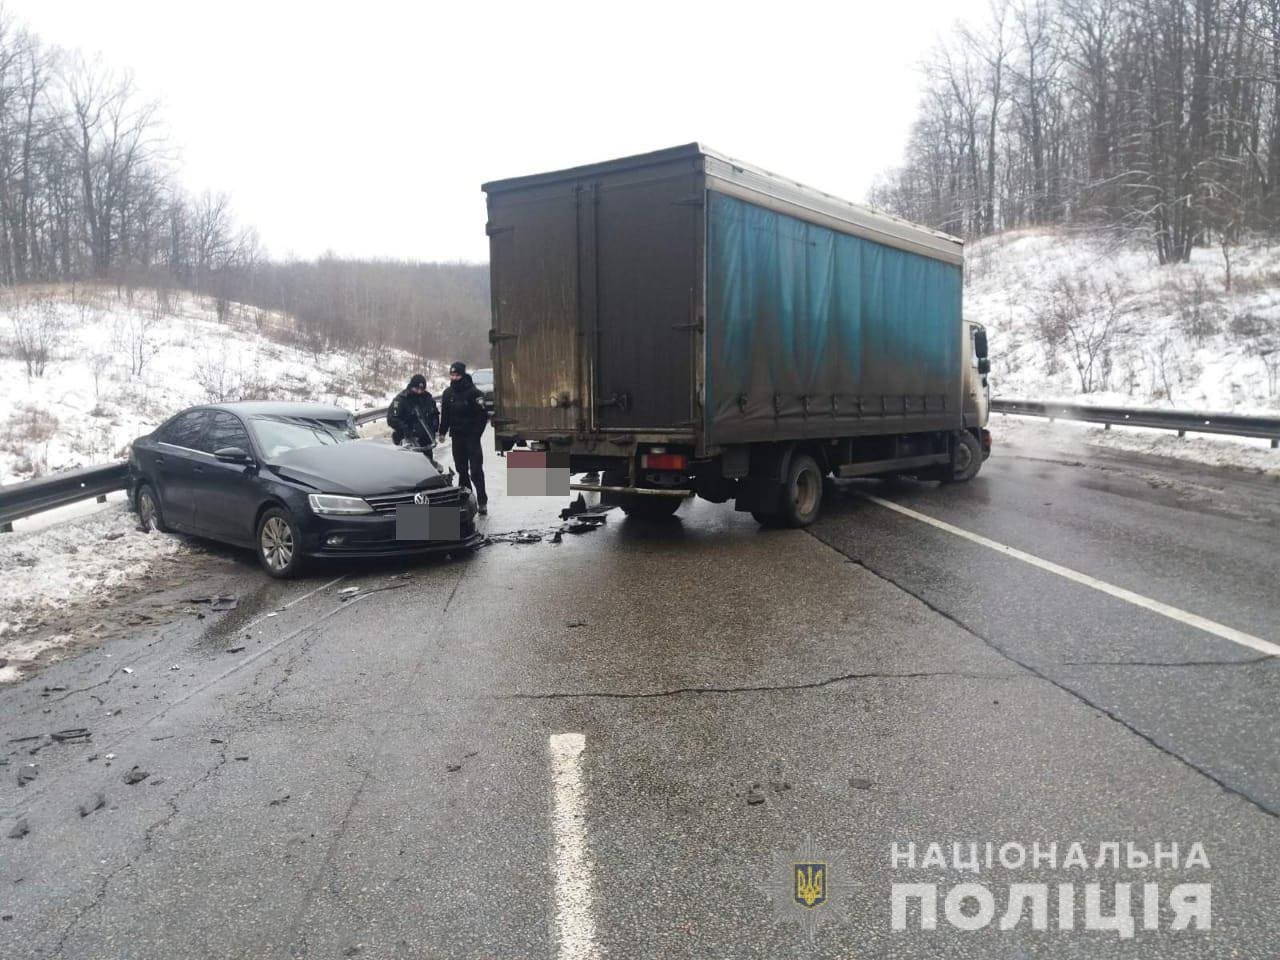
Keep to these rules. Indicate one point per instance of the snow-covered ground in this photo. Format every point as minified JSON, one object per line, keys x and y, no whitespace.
{"x":1067,"y":438}
{"x":1169,"y":336}
{"x":49,"y":569}
{"x":119,"y":365}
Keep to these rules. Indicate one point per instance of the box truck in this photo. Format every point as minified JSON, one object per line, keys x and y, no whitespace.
{"x":683,"y":324}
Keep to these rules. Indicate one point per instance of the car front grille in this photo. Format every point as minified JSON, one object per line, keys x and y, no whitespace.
{"x":439,"y":497}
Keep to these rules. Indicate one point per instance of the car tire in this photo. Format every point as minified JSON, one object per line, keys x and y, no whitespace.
{"x":802,"y":492}
{"x":278,"y":544}
{"x":966,"y":458}
{"x":150,"y":516}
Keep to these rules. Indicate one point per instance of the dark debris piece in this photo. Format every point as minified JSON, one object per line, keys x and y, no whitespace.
{"x":20,"y":830}
{"x":97,"y":803}
{"x":27,"y":774}
{"x":72,"y":735}
{"x":135,"y":775}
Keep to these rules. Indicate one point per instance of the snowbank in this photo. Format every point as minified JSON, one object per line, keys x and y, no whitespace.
{"x":49,"y":569}
{"x":1179,"y":338}
{"x":1066,"y":438}
{"x":120,"y":364}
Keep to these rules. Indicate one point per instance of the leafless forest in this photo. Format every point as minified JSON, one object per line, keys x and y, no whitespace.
{"x":1158,"y":118}
{"x":89,"y":191}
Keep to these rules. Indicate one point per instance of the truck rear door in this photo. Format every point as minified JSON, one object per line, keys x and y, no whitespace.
{"x":645,"y":265}
{"x":533,"y":247}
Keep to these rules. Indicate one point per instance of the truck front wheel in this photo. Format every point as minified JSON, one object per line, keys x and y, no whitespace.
{"x":966,"y":457}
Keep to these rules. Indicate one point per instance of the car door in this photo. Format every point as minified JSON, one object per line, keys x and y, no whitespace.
{"x":177,"y":456}
{"x":227,"y":494}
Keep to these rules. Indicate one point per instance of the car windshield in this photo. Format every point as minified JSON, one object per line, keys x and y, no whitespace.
{"x":277,"y":435}
{"x":482,"y":378}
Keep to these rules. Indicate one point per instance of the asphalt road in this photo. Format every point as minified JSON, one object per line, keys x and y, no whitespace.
{"x":617,"y":745}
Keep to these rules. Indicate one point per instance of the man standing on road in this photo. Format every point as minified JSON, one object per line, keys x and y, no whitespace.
{"x":413,"y":414}
{"x":463,"y":413}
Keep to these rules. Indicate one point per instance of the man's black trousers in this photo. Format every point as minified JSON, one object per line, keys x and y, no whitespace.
{"x":468,"y":460}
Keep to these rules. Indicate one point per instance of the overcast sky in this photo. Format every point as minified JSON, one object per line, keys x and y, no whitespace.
{"x":367,"y":127}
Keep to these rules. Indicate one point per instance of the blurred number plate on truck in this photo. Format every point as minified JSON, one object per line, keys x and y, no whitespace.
{"x":421,"y":521}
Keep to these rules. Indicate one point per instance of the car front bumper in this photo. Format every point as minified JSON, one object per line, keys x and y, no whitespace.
{"x":375,"y":536}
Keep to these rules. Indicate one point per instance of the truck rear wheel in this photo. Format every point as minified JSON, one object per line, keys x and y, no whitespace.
{"x":649,"y":508}
{"x":638,"y":505}
{"x":802,"y":493}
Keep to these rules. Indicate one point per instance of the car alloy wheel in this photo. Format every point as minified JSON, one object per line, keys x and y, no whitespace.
{"x":149,"y":511}
{"x":276,"y":543}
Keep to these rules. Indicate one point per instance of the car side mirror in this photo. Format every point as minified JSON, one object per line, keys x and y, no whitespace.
{"x":232,"y":455}
{"x":984,"y":366}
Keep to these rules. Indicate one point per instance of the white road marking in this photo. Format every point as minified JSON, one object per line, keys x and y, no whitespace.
{"x":575,"y":927}
{"x":1137,"y":599}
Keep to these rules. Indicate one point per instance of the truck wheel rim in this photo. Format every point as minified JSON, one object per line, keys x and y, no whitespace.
{"x":277,"y":543}
{"x":964,"y":457}
{"x":806,"y":493}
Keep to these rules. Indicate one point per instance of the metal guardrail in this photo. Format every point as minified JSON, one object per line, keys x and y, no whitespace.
{"x":1183,"y":421}
{"x":26,"y":499}
{"x":18,"y":500}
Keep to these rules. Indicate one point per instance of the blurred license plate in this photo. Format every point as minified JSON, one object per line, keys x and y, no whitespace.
{"x":421,"y":521}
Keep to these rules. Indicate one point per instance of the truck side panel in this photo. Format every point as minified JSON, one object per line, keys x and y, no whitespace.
{"x":815,"y":333}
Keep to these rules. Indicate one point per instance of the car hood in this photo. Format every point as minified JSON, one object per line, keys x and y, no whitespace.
{"x":361,"y":468}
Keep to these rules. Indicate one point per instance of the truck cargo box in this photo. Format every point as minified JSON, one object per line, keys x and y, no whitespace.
{"x":682,"y":296}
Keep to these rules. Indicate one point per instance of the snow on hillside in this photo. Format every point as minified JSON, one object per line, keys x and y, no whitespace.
{"x":116,"y":365}
{"x":1099,"y":321}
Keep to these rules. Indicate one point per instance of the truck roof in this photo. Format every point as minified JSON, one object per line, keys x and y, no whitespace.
{"x":757,"y":185}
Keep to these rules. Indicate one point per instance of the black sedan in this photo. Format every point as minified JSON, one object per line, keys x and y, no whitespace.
{"x":294,"y":481}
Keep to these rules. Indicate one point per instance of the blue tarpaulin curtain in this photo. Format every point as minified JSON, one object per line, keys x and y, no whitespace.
{"x":802,"y":318}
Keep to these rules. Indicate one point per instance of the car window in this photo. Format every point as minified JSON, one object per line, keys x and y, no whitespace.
{"x":277,"y":435}
{"x":186,"y":429}
{"x":224,"y":431}
{"x":482,"y":378}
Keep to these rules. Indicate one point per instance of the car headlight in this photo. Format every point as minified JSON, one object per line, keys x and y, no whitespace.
{"x":332,"y":503}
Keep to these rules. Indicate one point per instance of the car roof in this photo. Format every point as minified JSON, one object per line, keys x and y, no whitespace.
{"x":271,"y":408}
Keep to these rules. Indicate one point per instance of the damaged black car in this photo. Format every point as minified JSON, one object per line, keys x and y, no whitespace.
{"x":295,"y":482}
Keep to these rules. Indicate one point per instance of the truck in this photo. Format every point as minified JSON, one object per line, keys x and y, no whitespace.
{"x":680,"y":323}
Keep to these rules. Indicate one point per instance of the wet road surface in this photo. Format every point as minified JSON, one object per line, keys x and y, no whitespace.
{"x":601,"y":747}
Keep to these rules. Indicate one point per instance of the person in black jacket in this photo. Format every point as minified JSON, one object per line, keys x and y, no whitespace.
{"x":413,"y":414}
{"x":463,"y":414}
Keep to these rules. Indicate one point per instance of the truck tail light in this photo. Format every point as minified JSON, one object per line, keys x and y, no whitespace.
{"x":664,"y":461}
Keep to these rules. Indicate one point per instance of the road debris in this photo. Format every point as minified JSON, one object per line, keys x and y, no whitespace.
{"x":754,"y":796}
{"x":20,"y":830}
{"x":219,"y":602}
{"x":235,"y":649}
{"x":97,"y":803}
{"x":279,"y":801}
{"x":72,"y":735}
{"x":453,"y":767}
{"x":575,"y":623}
{"x":135,"y":775}
{"x":347,"y":593}
{"x":127,"y":669}
{"x":859,"y":783}
{"x":27,"y":774}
